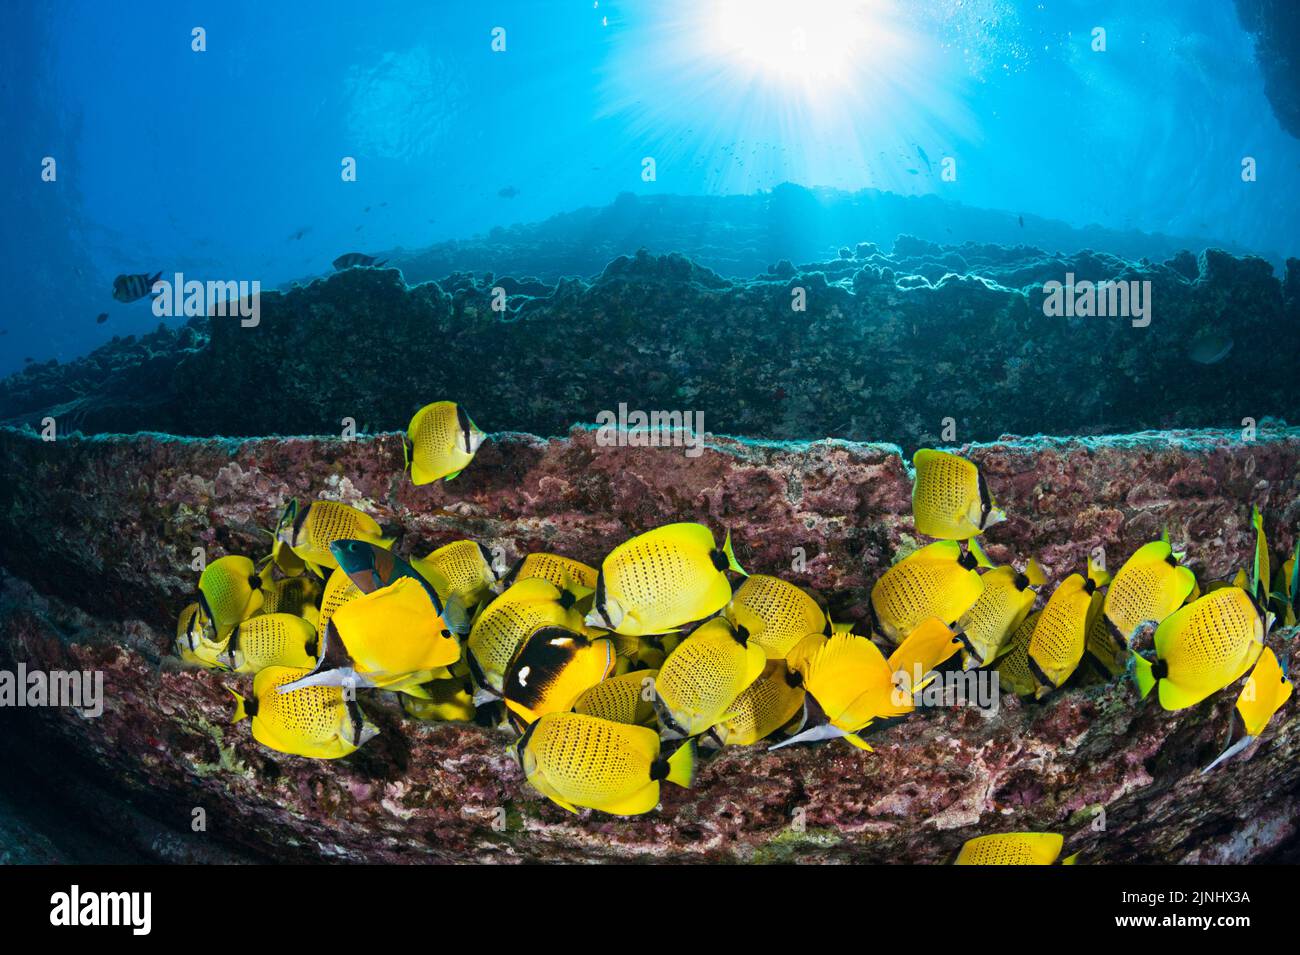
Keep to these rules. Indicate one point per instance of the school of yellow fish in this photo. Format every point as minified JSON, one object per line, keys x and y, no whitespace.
{"x":614,"y":686}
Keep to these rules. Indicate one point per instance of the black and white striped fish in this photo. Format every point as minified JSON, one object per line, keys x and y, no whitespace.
{"x":131,"y":288}
{"x":356,"y":258}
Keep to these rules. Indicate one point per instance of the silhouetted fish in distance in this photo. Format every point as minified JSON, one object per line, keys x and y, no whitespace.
{"x":352,"y":259}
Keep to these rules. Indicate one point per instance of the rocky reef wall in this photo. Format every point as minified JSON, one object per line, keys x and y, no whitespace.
{"x":96,"y":539}
{"x":888,"y":347}
{"x":1276,"y":28}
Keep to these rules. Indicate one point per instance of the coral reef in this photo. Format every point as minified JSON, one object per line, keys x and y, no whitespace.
{"x":96,"y":547}
{"x":889,"y":346}
{"x":740,"y":236}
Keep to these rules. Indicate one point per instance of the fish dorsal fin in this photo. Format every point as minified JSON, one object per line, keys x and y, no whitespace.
{"x":845,"y":650}
{"x":1186,"y":577}
{"x":1152,"y":553}
{"x":685,"y":534}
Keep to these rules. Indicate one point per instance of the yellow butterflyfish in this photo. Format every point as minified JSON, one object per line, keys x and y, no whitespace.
{"x":950,"y":498}
{"x":440,"y":442}
{"x":1013,"y":665}
{"x":938,"y":580}
{"x":271,"y":639}
{"x":662,"y":579}
{"x":1202,"y":647}
{"x":1060,"y":634}
{"x":1001,"y":607}
{"x":626,"y":698}
{"x":1014,"y":848}
{"x":505,"y":623}
{"x":554,"y":667}
{"x":765,"y":706}
{"x":577,"y":760}
{"x":310,"y":529}
{"x":775,"y":613}
{"x":315,"y":721}
{"x":384,"y":639}
{"x":699,"y":682}
{"x":230,"y":590}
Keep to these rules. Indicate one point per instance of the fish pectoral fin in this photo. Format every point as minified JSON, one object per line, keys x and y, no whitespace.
{"x":458,"y":616}
{"x":858,"y":741}
{"x":453,"y":475}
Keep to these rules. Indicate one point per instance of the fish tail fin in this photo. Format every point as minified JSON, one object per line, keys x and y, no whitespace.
{"x":1142,"y":675}
{"x":1034,"y":571}
{"x":681,"y":764}
{"x":981,"y":558}
{"x":1098,"y":574}
{"x":457,"y":616}
{"x":731,"y":556}
{"x":241,"y":707}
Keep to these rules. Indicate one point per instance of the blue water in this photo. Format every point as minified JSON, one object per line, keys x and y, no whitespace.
{"x":226,"y":163}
